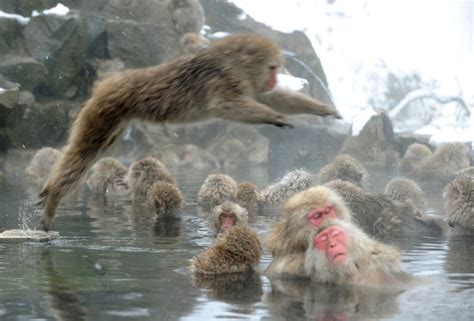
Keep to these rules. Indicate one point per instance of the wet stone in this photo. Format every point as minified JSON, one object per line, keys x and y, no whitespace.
{"x":16,"y":235}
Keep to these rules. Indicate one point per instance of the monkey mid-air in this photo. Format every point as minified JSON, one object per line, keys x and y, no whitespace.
{"x":234,"y":78}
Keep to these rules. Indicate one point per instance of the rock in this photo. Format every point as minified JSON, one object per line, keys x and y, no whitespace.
{"x":9,"y":97}
{"x":16,"y":236}
{"x":126,"y":41}
{"x":26,"y":71}
{"x":42,"y":124}
{"x":62,"y":44}
{"x":375,"y":144}
{"x":11,"y":39}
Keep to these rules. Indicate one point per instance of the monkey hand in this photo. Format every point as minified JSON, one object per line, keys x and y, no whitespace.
{"x":281,"y":124}
{"x":46,"y":224}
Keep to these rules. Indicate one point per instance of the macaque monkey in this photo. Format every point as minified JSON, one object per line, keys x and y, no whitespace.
{"x":292,"y":183}
{"x":304,"y":212}
{"x":165,"y":199}
{"x":143,"y":173}
{"x":106,"y":172}
{"x":191,"y":43}
{"x":459,"y":205}
{"x":341,"y":253}
{"x":247,"y":196}
{"x":217,"y":189}
{"x":414,"y":155}
{"x":406,"y":190}
{"x":228,"y":215}
{"x":237,"y":250}
{"x":234,"y":79}
{"x":187,"y":15}
{"x":39,"y":168}
{"x":443,"y":164}
{"x":344,"y":167}
{"x":382,"y":217}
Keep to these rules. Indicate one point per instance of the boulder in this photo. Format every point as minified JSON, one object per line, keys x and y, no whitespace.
{"x":26,"y":71}
{"x":140,"y":44}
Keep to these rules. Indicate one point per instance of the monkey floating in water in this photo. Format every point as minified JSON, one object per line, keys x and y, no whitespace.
{"x":17,"y":236}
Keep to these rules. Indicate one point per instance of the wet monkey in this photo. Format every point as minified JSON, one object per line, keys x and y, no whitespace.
{"x":233,"y":79}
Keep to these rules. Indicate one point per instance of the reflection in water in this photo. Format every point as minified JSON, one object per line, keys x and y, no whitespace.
{"x":115,"y":261}
{"x":243,"y":288}
{"x":302,"y":300}
{"x":459,"y":263}
{"x":61,"y":295}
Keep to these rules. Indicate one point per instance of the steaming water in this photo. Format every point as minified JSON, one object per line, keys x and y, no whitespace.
{"x":113,"y":263}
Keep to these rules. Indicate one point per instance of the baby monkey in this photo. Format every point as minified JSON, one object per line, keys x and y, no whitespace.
{"x":234,"y":79}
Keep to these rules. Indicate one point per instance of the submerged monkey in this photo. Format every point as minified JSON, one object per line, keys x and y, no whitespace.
{"x":234,"y":78}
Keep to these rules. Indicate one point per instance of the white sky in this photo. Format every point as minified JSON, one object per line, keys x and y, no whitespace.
{"x":353,"y":37}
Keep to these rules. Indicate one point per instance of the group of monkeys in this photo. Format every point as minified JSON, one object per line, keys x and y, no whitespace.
{"x":325,"y":233}
{"x":330,"y":232}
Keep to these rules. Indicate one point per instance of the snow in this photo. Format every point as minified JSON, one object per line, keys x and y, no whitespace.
{"x":291,"y":82}
{"x":22,"y":20}
{"x":361,"y":42}
{"x":58,"y":10}
{"x":361,"y":119}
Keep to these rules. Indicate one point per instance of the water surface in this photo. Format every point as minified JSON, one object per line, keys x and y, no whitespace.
{"x":113,"y":262}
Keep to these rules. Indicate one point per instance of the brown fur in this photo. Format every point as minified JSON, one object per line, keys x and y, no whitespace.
{"x":247,"y":196}
{"x":459,"y":204}
{"x":105,"y":174}
{"x":288,"y":239}
{"x":39,"y":168}
{"x":165,"y":199}
{"x":293,"y":182}
{"x":217,"y":188}
{"x":414,"y":155}
{"x":192,"y":42}
{"x":406,"y":190}
{"x":143,"y":173}
{"x":443,"y":164}
{"x":241,"y":215}
{"x":382,"y":217}
{"x":370,"y":262}
{"x":238,"y":250}
{"x":225,"y":80}
{"x":344,"y":167}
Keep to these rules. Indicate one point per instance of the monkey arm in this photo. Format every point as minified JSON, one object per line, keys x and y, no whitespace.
{"x":292,"y":102}
{"x":248,"y":111}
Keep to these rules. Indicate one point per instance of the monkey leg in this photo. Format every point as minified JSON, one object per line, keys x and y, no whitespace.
{"x":292,"y":102}
{"x":90,"y":135}
{"x":249,"y":112}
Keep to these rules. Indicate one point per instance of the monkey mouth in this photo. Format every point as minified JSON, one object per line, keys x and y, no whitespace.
{"x":339,"y":257}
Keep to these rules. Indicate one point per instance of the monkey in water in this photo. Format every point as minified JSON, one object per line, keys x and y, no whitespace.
{"x":228,"y":215}
{"x":237,"y":250}
{"x":458,"y":198}
{"x":234,"y":79}
{"x":216,"y":189}
{"x":341,"y":253}
{"x":303,"y":213}
{"x":38,"y":170}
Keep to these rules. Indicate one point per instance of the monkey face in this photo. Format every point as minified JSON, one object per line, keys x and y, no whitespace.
{"x":227,"y":221}
{"x":271,"y":80}
{"x":333,"y":242}
{"x":319,"y":214}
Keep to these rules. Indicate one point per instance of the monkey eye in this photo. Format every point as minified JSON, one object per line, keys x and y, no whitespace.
{"x":273,"y":68}
{"x":321,"y":239}
{"x":328,"y":209}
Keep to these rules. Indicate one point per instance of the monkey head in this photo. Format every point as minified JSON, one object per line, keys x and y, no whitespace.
{"x":228,"y":215}
{"x":244,"y":52}
{"x":333,"y":243}
{"x":317,"y":204}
